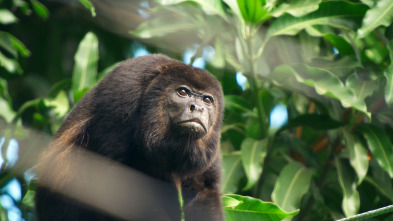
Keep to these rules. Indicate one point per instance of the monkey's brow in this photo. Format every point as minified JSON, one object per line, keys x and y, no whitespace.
{"x":196,"y":94}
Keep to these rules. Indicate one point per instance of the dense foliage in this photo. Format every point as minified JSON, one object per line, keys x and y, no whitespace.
{"x":308,"y":90}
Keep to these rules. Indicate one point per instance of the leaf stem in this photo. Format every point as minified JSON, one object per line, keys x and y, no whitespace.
{"x":249,"y":34}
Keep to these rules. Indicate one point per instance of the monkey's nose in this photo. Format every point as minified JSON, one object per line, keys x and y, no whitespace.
{"x":196,"y":108}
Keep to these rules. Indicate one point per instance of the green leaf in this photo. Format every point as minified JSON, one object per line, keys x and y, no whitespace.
{"x":6,"y":111}
{"x":244,"y":208}
{"x":89,"y":6}
{"x":292,"y":183}
{"x":6,"y":17}
{"x":84,"y":75}
{"x":297,"y":8}
{"x":340,"y":67}
{"x":210,"y":7}
{"x":233,"y":102}
{"x":253,"y":11}
{"x":6,"y":43}
{"x":380,"y":146}
{"x":324,"y":82}
{"x":11,"y":65}
{"x":162,"y":26}
{"x":357,"y":156}
{"x":380,"y":180}
{"x":253,"y":127}
{"x":338,"y":14}
{"x":389,"y":78}
{"x":233,"y":172}
{"x":28,"y":199}
{"x":380,"y":14}
{"x":12,"y":45}
{"x":235,"y":8}
{"x":315,"y":121}
{"x":40,"y":9}
{"x":362,"y":88}
{"x":351,"y":200}
{"x":253,"y":155}
{"x":60,"y":104}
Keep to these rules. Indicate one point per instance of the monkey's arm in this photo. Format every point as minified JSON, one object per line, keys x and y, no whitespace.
{"x":202,"y":197}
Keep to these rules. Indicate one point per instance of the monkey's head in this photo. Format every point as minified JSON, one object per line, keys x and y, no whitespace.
{"x":181,"y":113}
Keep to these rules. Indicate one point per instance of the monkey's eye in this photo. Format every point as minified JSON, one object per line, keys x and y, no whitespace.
{"x":207,"y":99}
{"x":184,"y":92}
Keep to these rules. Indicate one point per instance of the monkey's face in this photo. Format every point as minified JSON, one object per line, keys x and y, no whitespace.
{"x":190,"y":111}
{"x":180,"y":118}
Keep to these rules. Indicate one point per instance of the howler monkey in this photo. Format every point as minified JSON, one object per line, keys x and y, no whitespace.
{"x":151,"y":113}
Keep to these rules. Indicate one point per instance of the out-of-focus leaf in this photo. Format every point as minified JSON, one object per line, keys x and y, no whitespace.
{"x":357,"y":156}
{"x":12,"y":45}
{"x":60,"y":104}
{"x":293,"y":182}
{"x":244,"y":208}
{"x":233,"y":172}
{"x":173,"y":20}
{"x":380,"y":146}
{"x":338,"y":14}
{"x":340,"y":67}
{"x":362,"y":88}
{"x":40,"y":9}
{"x":253,"y":11}
{"x":316,"y":121}
{"x":324,"y":83}
{"x":84,"y":75}
{"x":11,"y":65}
{"x":380,"y":14}
{"x":6,"y":111}
{"x":235,"y":8}
{"x":253,"y":155}
{"x":28,"y":199}
{"x":89,"y":6}
{"x":6,"y":17}
{"x":296,"y":8}
{"x":253,"y":127}
{"x":389,"y":77}
{"x":210,"y":7}
{"x":233,"y":102}
{"x":351,"y":200}
{"x":6,"y":43}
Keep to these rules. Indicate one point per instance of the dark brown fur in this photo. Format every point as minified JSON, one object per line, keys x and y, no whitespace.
{"x":125,"y":118}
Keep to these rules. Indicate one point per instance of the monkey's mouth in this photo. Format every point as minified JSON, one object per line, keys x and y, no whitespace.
{"x":194,"y":124}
